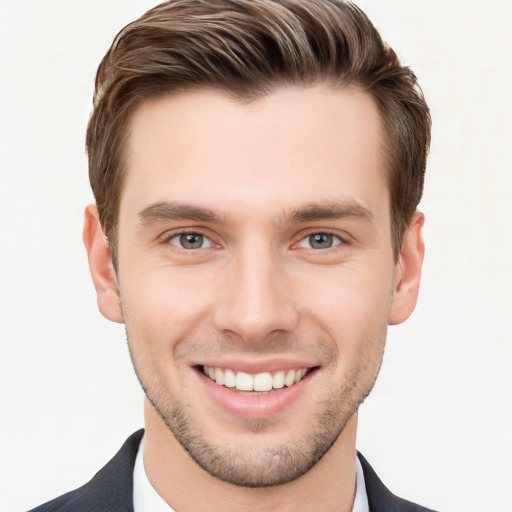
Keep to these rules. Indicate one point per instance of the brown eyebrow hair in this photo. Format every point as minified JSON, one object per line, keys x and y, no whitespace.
{"x":333,"y":210}
{"x":170,"y":210}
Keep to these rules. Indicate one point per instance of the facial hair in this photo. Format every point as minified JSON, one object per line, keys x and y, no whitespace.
{"x":249,"y":465}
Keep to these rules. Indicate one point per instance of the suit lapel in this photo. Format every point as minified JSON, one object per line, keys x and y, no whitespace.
{"x":111,"y":489}
{"x":380,"y":498}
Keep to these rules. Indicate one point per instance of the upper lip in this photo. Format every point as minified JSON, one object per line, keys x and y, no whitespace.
{"x":254,"y":367}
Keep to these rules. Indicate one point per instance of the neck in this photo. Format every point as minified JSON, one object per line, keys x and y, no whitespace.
{"x":329,"y":485}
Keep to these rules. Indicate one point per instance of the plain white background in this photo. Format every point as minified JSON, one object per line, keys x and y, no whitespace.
{"x":438,"y":426}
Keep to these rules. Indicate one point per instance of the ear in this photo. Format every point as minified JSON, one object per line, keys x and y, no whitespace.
{"x":101,"y":266}
{"x":408,"y":271}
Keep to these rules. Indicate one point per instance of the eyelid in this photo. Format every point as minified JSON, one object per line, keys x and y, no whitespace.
{"x":342,"y":240}
{"x":165,"y":238}
{"x":169,"y":235}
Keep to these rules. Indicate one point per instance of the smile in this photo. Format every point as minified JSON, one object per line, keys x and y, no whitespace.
{"x":265,"y":381}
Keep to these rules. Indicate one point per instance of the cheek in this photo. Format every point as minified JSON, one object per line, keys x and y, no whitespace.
{"x":352,"y":304}
{"x":162,"y":305}
{"x":354,"y":315}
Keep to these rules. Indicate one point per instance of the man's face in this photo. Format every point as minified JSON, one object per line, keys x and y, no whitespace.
{"x":255,"y":246}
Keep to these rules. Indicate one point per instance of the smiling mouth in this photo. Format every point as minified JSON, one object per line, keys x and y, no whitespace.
{"x":259,"y":382}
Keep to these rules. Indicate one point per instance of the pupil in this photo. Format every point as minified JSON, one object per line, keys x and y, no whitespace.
{"x":321,"y":241}
{"x":191,"y":241}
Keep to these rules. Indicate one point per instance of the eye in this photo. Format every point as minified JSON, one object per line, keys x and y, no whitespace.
{"x":320,"y":241}
{"x":190,"y":241}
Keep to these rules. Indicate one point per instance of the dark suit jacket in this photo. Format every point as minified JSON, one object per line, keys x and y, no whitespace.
{"x":111,"y":488}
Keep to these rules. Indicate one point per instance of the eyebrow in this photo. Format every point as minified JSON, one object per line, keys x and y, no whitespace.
{"x":325,"y":211}
{"x":168,"y":210}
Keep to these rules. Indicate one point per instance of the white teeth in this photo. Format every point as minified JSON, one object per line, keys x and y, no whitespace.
{"x":278,"y":380}
{"x":219,"y":376}
{"x":229,"y":379}
{"x":299,"y":374}
{"x":290,"y":378}
{"x":264,"y":381}
{"x":244,"y":382}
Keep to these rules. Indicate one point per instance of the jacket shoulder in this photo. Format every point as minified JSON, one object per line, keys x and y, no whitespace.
{"x":63,"y":503}
{"x":380,"y":498}
{"x":110,"y":490}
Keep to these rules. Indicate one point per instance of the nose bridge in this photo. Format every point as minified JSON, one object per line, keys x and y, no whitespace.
{"x":255,"y":303}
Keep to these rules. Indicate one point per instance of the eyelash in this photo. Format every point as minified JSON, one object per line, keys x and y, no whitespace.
{"x":167,"y":240}
{"x":340,"y":240}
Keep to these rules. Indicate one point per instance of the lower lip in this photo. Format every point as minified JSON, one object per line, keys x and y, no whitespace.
{"x":257,"y":406}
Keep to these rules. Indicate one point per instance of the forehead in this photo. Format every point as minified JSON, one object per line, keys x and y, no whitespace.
{"x":293,"y":146}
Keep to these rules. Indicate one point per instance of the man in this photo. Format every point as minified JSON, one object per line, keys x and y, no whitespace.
{"x":256,"y":167}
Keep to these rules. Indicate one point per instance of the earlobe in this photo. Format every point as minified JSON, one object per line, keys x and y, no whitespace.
{"x":408,"y":271}
{"x":101,"y":266}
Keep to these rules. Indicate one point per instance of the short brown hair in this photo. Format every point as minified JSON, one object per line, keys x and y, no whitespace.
{"x":247,"y":48}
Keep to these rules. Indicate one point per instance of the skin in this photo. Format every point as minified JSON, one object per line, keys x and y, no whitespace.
{"x":256,"y":293}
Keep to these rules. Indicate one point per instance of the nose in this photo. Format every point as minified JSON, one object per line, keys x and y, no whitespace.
{"x":257,"y":299}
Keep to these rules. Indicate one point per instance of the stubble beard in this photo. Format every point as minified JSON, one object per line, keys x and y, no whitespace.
{"x":248,"y":466}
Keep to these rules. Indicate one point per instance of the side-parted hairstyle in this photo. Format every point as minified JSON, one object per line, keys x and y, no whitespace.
{"x":246,"y":49}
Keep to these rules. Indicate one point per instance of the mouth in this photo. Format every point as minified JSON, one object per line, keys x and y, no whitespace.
{"x":262,"y":382}
{"x":256,"y":391}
